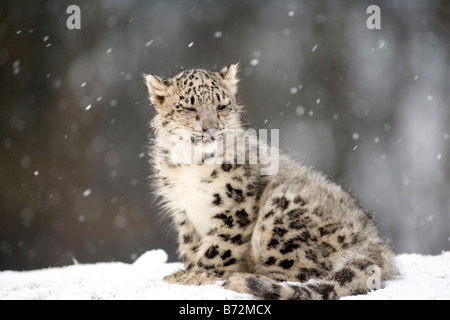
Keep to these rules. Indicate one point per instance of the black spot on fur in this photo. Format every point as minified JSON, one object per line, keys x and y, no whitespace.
{"x":344,"y":276}
{"x":217,"y":199}
{"x":226,"y":167}
{"x":237,"y":240}
{"x":299,"y":200}
{"x":214,"y":174}
{"x":160,"y":99}
{"x":212,"y":252}
{"x":227,"y":220}
{"x":187,"y":239}
{"x":281,"y":203}
{"x":301,"y":277}
{"x":286,"y":264}
{"x":317,"y":212}
{"x":235,"y":194}
{"x":362,"y":264}
{"x":279,"y":231}
{"x":269,"y":214}
{"x":260,"y":288}
{"x":296,"y":225}
{"x":300,"y":293}
{"x":273,"y":243}
{"x":304,"y":236}
{"x":219,"y":272}
{"x":250,"y":189}
{"x":242,"y":218}
{"x":300,"y":223}
{"x":325,"y":290}
{"x":278,"y":220}
{"x":270,"y":261}
{"x":326,"y":249}
{"x":294,"y":214}
{"x":229,"y":262}
{"x":192,"y":100}
{"x":226,"y":255}
{"x":328,"y":229}
{"x":306,"y":274}
{"x":323,"y":232}
{"x":311,"y":255}
{"x":208,"y":266}
{"x":289,"y":247}
{"x":224,"y":236}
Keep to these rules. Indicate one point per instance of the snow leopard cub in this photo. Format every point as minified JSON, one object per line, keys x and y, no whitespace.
{"x":258,"y":232}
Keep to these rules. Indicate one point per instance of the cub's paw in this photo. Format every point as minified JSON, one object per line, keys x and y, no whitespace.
{"x":192,"y":277}
{"x":238,"y":282}
{"x":174,"y":277}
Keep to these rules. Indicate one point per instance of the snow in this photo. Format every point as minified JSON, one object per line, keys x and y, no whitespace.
{"x":254,"y":62}
{"x":421,"y":277}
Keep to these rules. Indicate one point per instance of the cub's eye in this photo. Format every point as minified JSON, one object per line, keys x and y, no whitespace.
{"x":221,"y":107}
{"x":191,"y":109}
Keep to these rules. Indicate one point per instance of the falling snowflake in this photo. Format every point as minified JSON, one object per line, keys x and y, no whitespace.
{"x":300,"y":110}
{"x":254,"y":62}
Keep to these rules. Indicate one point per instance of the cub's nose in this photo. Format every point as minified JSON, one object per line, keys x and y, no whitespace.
{"x":210,"y":131}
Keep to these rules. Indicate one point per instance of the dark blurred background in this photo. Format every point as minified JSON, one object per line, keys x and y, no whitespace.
{"x":369,"y":108}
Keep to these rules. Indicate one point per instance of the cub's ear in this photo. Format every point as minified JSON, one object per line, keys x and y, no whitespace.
{"x":157,"y":89}
{"x":229,"y":75}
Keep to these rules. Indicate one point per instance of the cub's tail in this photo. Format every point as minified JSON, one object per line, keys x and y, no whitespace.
{"x":353,"y":274}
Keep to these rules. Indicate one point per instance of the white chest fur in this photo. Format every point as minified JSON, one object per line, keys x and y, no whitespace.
{"x":190,"y":193}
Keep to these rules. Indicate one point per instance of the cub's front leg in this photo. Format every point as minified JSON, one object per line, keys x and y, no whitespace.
{"x":188,"y":242}
{"x":220,"y":253}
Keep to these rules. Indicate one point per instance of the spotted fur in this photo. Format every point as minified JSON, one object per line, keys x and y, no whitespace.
{"x":256,"y":232}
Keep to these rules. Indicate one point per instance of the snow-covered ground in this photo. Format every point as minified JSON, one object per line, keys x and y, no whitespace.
{"x":422,"y":277}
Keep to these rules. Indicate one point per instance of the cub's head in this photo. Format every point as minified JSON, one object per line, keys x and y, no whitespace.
{"x":196,"y":104}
